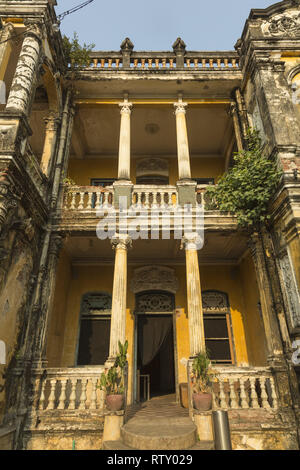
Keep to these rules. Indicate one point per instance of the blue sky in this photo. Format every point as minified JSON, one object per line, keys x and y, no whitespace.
{"x":155,"y":24}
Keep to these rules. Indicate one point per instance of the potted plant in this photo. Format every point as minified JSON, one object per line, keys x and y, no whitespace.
{"x":201,"y":382}
{"x":112,"y":380}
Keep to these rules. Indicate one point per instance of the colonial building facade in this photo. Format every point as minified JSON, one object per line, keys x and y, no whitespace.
{"x":154,"y":128}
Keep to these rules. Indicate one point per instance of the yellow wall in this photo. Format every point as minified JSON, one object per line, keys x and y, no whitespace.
{"x":81,"y":171}
{"x":239,"y":284}
{"x":294,"y":247}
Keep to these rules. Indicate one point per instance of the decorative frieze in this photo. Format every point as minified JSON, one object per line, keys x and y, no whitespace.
{"x":154,"y":278}
{"x":285,"y":24}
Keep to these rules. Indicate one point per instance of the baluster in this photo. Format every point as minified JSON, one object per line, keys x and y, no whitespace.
{"x":244,"y":398}
{"x":93,"y":404}
{"x":233,"y":62}
{"x":163,"y":61}
{"x":211,"y":63}
{"x":72,"y":402}
{"x":97,"y":200}
{"x":203,"y":63}
{"x":102,"y":63}
{"x":223,"y":403}
{"x":143,"y":63}
{"x":157,"y":63}
{"x":117,"y":63}
{"x":51,"y":401}
{"x":218,"y":63}
{"x":146,"y":204}
{"x":154,"y":203}
{"x":135,"y":63}
{"x":273,"y":393}
{"x":226,"y":63}
{"x":171,"y":63}
{"x":62,"y":396}
{"x":150,"y":63}
{"x":82,"y":404}
{"x":188,"y":62}
{"x":139,"y":198}
{"x":42,"y":397}
{"x":232,"y":395}
{"x":89,"y":202}
{"x":80,"y":205}
{"x":95,"y":62}
{"x":264,"y":397}
{"x":196,"y":63}
{"x":73,"y":200}
{"x":111,"y":197}
{"x":253,"y":393}
{"x":109,"y":63}
{"x":102,"y":399}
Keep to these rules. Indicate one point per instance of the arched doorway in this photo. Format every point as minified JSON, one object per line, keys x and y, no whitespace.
{"x":155,"y":344}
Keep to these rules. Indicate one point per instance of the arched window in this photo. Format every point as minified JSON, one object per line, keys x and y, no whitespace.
{"x":95,"y":313}
{"x":217,"y":328}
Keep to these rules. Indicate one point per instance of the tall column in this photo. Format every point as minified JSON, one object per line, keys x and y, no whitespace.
{"x":237,"y":129}
{"x":124,"y":142}
{"x":51,"y":123}
{"x":5,"y":48}
{"x":194,"y":298}
{"x":120,"y":243}
{"x":22,"y":87}
{"x":183,"y":154}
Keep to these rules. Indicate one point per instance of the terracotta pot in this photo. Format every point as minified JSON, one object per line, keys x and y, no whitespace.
{"x":114,"y":402}
{"x":202,"y":401}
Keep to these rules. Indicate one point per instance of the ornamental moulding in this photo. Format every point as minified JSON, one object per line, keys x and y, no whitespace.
{"x":287,"y":24}
{"x":154,"y":278}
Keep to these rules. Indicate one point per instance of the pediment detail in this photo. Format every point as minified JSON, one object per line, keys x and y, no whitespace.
{"x":286,"y":24}
{"x":154,"y":278}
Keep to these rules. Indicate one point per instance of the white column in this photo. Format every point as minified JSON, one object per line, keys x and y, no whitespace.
{"x":194,"y":298}
{"x":25,"y":75}
{"x":120,"y":243}
{"x":124,"y":142}
{"x":183,"y":154}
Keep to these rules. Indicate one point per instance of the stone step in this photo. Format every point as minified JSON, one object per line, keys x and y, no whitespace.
{"x":119,"y":445}
{"x":159,"y":436}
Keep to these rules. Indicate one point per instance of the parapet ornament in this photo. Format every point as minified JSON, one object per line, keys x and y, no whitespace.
{"x":286,"y":24}
{"x":154,"y":278}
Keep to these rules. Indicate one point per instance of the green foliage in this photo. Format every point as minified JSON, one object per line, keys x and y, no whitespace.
{"x":202,"y":374}
{"x":76,"y":55}
{"x":248,"y":186}
{"x":112,"y":380}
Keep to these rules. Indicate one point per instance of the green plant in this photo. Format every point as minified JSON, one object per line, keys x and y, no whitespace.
{"x":112,"y":380}
{"x":202,"y":373}
{"x":247,"y":187}
{"x":69,"y":182}
{"x":77,"y":56}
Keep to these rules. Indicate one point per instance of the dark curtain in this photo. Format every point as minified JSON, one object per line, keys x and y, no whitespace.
{"x":153,"y":330}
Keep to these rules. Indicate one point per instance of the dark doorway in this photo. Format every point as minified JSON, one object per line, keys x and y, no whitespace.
{"x":156,"y":352}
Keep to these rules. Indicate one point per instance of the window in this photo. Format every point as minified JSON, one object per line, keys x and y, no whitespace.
{"x":204,"y":180}
{"x":217,"y":329}
{"x":93,"y":347}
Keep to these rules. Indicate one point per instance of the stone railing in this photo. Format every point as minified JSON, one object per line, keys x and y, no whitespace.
{"x":87,"y":198}
{"x":244,"y":389}
{"x":70,"y":389}
{"x":144,"y":60}
{"x":154,"y":195}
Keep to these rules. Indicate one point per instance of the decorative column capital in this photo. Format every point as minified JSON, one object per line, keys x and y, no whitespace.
{"x":125,"y":106}
{"x":180,"y":106}
{"x":34,"y":29}
{"x":55,"y":244}
{"x":52,"y":121}
{"x":121,"y":241}
{"x":191,"y":241}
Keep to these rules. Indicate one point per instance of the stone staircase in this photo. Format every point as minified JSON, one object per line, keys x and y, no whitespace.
{"x":159,"y":424}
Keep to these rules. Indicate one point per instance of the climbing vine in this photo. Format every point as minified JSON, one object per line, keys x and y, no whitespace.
{"x":247,"y":187}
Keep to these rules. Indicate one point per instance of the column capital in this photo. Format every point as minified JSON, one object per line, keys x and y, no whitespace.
{"x":125,"y":106}
{"x":52,"y":121}
{"x":191,"y":241}
{"x":121,"y":241}
{"x":34,"y":28}
{"x":180,"y":106}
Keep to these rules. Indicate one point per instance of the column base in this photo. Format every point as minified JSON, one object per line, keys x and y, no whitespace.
{"x":186,"y":190}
